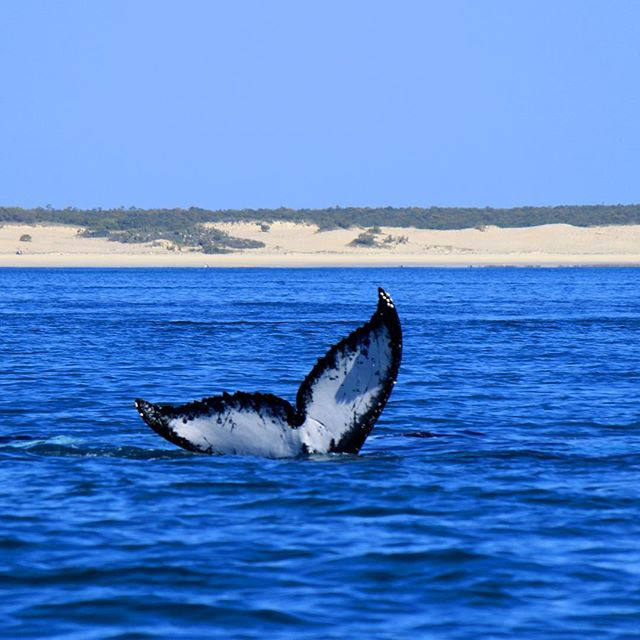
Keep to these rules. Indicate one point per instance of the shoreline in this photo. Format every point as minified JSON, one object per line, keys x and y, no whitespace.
{"x":289,"y":245}
{"x":487,"y":262}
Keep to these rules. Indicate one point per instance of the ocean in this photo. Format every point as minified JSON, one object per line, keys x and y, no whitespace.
{"x":497,"y":497}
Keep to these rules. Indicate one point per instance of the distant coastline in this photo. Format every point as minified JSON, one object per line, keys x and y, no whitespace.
{"x":330,"y":236}
{"x":294,"y":244}
{"x":201,"y":228}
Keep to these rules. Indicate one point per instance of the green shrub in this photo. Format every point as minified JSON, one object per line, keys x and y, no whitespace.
{"x":365,"y":239}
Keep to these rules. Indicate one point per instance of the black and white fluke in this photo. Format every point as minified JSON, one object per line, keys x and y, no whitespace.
{"x":336,"y":406}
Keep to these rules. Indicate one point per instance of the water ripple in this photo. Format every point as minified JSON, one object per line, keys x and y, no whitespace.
{"x":496,"y":498}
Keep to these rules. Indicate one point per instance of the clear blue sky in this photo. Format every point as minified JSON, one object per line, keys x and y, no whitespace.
{"x":308,"y":104}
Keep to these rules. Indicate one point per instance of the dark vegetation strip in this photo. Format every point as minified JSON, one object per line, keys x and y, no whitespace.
{"x":184,"y":227}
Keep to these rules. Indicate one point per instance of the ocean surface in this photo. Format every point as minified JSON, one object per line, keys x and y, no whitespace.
{"x":497,"y":497}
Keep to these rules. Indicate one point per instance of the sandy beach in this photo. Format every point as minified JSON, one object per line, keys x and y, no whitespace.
{"x":302,"y":245}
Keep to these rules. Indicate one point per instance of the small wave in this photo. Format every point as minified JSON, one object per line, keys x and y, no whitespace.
{"x":56,"y":447}
{"x":11,"y":542}
{"x":420,"y":434}
{"x":98,"y":611}
{"x":24,"y":441}
{"x":219,"y":323}
{"x":16,"y":438}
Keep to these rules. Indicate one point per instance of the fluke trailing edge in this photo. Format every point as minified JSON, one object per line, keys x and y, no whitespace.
{"x":336,"y":406}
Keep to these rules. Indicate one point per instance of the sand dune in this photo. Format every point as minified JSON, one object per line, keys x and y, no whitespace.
{"x":289,"y":244}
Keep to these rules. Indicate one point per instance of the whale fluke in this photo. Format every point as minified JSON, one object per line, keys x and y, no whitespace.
{"x":336,"y":407}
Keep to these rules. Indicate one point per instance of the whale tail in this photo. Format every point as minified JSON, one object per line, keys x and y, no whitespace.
{"x":336,"y":406}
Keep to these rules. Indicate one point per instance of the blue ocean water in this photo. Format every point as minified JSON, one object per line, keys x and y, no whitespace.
{"x":497,"y":497}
